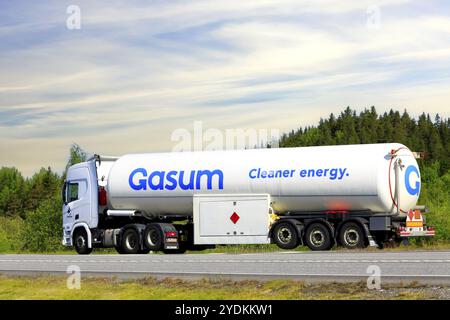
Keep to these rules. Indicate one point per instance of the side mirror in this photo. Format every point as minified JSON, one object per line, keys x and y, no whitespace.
{"x":63,"y":193}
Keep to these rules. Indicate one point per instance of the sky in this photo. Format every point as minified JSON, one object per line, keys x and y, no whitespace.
{"x":121,"y":76}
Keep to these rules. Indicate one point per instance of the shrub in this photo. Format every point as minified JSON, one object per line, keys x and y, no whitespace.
{"x":43,"y":228}
{"x":435,"y":195}
{"x":10,"y":230}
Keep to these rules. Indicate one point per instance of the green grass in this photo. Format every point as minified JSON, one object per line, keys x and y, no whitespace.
{"x":54,"y":287}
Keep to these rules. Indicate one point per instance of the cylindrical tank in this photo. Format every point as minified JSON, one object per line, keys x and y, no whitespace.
{"x":348,"y":177}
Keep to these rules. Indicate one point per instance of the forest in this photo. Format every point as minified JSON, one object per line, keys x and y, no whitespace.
{"x":30,"y":207}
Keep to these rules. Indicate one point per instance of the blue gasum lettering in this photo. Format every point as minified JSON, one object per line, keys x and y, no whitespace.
{"x":185,"y":180}
{"x":416,"y":189}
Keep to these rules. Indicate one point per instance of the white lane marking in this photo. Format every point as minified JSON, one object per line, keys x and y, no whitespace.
{"x":227,"y":261}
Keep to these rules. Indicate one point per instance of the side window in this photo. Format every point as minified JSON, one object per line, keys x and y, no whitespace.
{"x":72,"y":191}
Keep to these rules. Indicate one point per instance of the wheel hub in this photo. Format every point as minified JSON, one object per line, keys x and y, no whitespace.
{"x":317,"y":237}
{"x":152,"y":237}
{"x":81,"y":242}
{"x":130,"y":242}
{"x":284,"y":235}
{"x":351,"y":237}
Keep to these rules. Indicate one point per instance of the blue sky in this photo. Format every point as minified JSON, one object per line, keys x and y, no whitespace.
{"x":138,"y":70}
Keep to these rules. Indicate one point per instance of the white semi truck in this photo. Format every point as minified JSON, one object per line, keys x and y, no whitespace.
{"x":352,"y":195}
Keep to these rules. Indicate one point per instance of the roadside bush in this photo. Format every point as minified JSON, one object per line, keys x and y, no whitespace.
{"x":10,"y":230}
{"x":435,"y":194}
{"x":43,"y":228}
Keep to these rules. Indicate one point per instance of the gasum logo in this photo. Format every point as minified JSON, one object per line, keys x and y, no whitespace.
{"x":139,"y":179}
{"x":412,"y":170}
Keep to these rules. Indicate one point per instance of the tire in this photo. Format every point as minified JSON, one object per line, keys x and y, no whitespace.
{"x":285,"y":235}
{"x":130,"y":243}
{"x":351,"y":236}
{"x":80,"y":242}
{"x":153,"y":238}
{"x":318,"y":237}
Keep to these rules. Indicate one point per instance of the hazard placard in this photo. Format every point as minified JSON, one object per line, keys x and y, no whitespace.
{"x":414,"y":219}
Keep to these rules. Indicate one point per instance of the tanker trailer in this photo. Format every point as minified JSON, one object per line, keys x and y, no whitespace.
{"x":350,"y":195}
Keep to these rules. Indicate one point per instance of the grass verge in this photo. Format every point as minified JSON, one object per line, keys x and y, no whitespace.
{"x":54,"y":287}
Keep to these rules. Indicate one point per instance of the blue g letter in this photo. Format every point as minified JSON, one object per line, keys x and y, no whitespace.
{"x":416,"y":189}
{"x":142,"y":182}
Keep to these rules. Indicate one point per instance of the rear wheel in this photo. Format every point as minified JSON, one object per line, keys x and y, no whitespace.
{"x":80,"y":242}
{"x":153,"y":238}
{"x":351,"y":236}
{"x":130,"y":243}
{"x":285,"y":235}
{"x":318,"y":237}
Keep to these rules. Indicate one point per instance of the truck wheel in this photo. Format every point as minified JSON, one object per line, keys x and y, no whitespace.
{"x":80,"y":242}
{"x":130,"y":243}
{"x":318,"y":237}
{"x":351,"y":236}
{"x":153,"y":237}
{"x":285,"y":236}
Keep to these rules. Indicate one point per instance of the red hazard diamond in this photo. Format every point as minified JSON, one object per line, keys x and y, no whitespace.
{"x":234,"y":217}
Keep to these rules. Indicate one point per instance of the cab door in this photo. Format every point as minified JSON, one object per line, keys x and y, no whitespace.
{"x":77,"y":197}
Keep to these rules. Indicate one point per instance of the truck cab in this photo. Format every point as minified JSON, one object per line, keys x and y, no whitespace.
{"x":80,"y":206}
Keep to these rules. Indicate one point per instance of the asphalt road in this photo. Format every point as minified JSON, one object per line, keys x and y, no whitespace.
{"x":422,"y":266}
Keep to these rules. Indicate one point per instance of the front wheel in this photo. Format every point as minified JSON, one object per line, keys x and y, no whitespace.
{"x":285,"y":235}
{"x":80,"y":242}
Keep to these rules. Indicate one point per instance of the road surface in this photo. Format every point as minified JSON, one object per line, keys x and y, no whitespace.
{"x":422,"y":266}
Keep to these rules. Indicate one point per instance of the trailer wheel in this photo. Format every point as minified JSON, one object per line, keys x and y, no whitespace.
{"x":351,"y":236}
{"x":130,"y":243}
{"x":80,"y":242}
{"x":318,"y":237}
{"x":285,"y":235}
{"x":153,"y":238}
